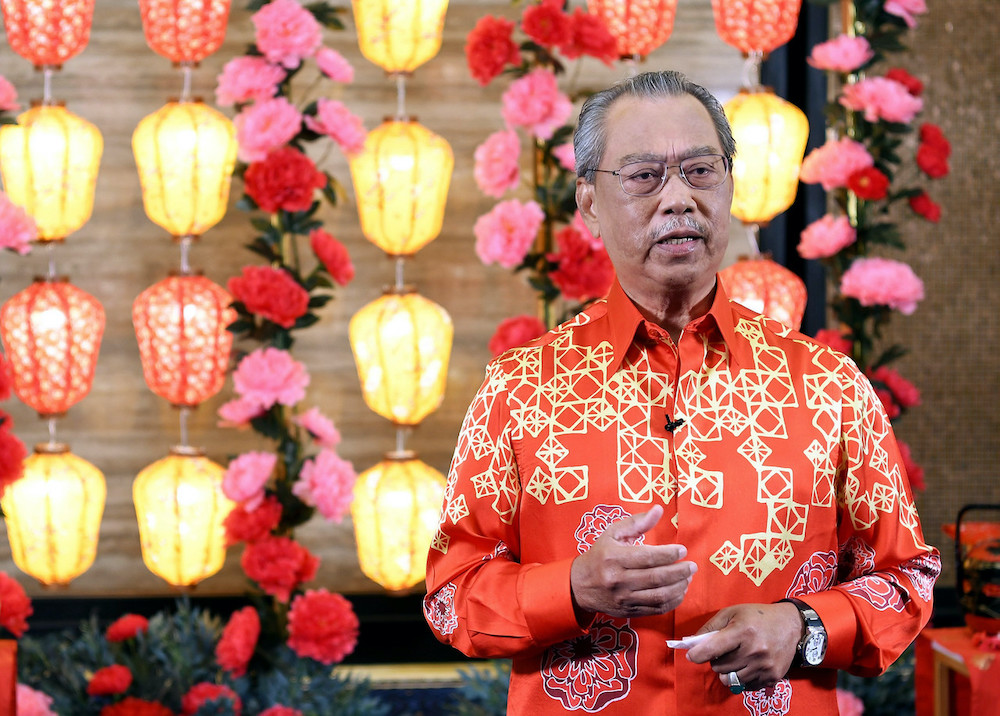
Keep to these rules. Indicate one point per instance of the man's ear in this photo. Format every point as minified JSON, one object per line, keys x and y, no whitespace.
{"x":585,"y":203}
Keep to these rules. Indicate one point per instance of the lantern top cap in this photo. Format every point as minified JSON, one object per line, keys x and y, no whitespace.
{"x":50,"y":102}
{"x":404,"y":290}
{"x":186,"y":100}
{"x":50,"y":279}
{"x":400,"y":455}
{"x":187,"y":451}
{"x":51,"y":448}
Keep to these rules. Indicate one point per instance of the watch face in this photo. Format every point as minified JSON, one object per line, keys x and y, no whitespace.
{"x":814,"y":649}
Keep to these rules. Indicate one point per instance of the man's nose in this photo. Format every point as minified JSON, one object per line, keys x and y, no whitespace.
{"x":675,"y":195}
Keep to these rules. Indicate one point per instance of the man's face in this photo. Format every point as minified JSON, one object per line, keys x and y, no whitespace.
{"x":670,"y":243}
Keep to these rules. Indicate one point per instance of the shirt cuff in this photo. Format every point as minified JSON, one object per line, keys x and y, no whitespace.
{"x":837,"y":613}
{"x":544,"y":592}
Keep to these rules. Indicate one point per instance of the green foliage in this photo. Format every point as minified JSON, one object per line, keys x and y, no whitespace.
{"x":483,"y":691}
{"x":891,"y":694}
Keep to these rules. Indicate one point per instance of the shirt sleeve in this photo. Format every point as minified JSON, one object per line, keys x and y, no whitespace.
{"x":883,"y":593}
{"x":480,"y":598}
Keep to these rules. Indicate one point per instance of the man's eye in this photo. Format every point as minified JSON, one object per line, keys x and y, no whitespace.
{"x":645,"y":175}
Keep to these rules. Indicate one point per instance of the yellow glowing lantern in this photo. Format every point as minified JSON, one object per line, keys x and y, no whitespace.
{"x":396,"y":510}
{"x":50,"y":162}
{"x":766,"y":287}
{"x":399,"y":36}
{"x":185,"y":152}
{"x":771,"y":135}
{"x":401,"y":181}
{"x":180,"y":507}
{"x":401,"y":344}
{"x":53,"y":514}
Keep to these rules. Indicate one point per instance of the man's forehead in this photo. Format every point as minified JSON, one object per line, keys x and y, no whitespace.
{"x":667,"y":128}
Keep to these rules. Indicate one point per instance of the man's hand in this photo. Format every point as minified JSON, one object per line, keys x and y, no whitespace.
{"x":757,"y":641}
{"x":622,"y":579}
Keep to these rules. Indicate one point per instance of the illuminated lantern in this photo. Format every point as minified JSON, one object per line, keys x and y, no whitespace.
{"x":756,"y":25}
{"x":48,"y":32}
{"x":771,"y":135}
{"x":52,"y":333}
{"x":401,"y":181}
{"x":401,"y":344}
{"x":399,"y":36}
{"x":180,"y":507}
{"x":53,"y":514}
{"x":396,"y":510}
{"x":766,"y":287}
{"x":50,"y":162}
{"x":184,"y":30}
{"x":639,"y":26}
{"x":185,"y":152}
{"x":180,"y":324}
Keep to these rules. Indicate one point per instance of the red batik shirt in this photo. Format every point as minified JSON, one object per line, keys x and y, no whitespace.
{"x":783,"y":480}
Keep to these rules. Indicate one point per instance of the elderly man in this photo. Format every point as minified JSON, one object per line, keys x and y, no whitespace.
{"x":669,"y":464}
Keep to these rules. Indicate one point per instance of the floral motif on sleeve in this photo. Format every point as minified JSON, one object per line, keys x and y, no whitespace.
{"x":439,"y":609}
{"x":594,"y":523}
{"x":815,"y":574}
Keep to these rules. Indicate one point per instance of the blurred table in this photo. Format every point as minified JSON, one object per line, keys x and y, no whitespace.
{"x":953,"y":677}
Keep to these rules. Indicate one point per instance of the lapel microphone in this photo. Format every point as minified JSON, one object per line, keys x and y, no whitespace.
{"x":672,"y":425}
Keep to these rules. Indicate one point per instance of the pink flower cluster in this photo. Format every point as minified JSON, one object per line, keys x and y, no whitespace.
{"x":265,"y":125}
{"x":265,"y":377}
{"x":247,"y":476}
{"x":337,"y":122}
{"x":881,"y":98}
{"x":322,"y":430}
{"x":906,"y":9}
{"x":826,"y":236}
{"x":326,"y":482}
{"x":31,"y":702}
{"x":286,"y":33}
{"x":8,"y":96}
{"x":17,"y":228}
{"x":535,"y":103}
{"x":497,"y":163}
{"x":832,"y":164}
{"x":506,"y":233}
{"x":843,"y":53}
{"x":883,"y":282}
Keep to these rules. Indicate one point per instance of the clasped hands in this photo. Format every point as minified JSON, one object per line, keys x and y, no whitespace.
{"x":620,"y":578}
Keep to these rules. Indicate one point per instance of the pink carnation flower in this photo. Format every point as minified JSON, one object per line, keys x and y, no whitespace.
{"x":566,"y":156}
{"x":286,"y":32}
{"x":270,"y":375}
{"x":497,"y":168}
{"x":238,"y":413}
{"x":832,"y":164}
{"x":506,"y":233}
{"x":826,"y":236}
{"x":327,"y":483}
{"x":246,"y":477}
{"x":247,"y":79}
{"x":841,"y":54}
{"x":264,"y":126}
{"x":31,"y":702}
{"x":322,"y":429}
{"x":849,"y":704}
{"x":535,"y":103}
{"x":333,"y":64}
{"x":906,"y":9}
{"x":881,"y":98}
{"x":8,"y":96}
{"x":883,"y":282}
{"x":17,"y":228}
{"x":335,"y":120}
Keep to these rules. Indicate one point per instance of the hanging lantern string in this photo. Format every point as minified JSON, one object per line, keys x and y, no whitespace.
{"x":632,"y":64}
{"x":52,"y":431}
{"x":186,"y":86}
{"x":401,"y":433}
{"x":185,"y":242}
{"x":51,"y":256}
{"x":185,"y":412}
{"x":47,"y":84}
{"x":400,"y":265}
{"x":751,"y":69}
{"x":400,"y":97}
{"x":753,"y":238}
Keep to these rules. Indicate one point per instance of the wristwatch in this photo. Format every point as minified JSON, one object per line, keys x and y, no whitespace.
{"x":812,"y":647}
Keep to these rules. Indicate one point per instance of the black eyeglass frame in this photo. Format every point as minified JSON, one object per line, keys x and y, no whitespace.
{"x":727,"y":164}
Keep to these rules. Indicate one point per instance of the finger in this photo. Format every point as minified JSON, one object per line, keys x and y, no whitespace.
{"x":631,"y":528}
{"x":654,"y":556}
{"x":659,"y":575}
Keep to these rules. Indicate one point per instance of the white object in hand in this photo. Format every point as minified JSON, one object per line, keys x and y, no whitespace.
{"x":688,"y":641}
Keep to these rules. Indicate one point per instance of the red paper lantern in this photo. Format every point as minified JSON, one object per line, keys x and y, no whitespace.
{"x":769,"y":288}
{"x":48,"y":32}
{"x":756,"y":25}
{"x":184,"y":30}
{"x":52,"y":333}
{"x":639,"y":26}
{"x":180,"y":324}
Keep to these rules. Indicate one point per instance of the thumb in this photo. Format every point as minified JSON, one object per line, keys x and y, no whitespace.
{"x":631,"y":528}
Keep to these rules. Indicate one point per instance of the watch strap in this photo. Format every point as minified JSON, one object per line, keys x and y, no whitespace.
{"x":811,"y":623}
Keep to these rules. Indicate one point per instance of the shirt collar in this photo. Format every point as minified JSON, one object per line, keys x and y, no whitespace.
{"x":626,"y":320}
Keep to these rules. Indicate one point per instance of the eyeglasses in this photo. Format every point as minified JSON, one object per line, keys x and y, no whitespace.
{"x":705,"y":171}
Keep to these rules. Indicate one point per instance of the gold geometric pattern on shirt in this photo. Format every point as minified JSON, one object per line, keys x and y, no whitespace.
{"x":762,"y":554}
{"x":756,"y":451}
{"x":440,"y":542}
{"x":787,"y":521}
{"x":825,"y":473}
{"x":703,"y":487}
{"x":457,"y":508}
{"x":566,"y":484}
{"x":727,"y":557}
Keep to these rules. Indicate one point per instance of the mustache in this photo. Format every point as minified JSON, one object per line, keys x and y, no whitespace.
{"x":675,"y":223}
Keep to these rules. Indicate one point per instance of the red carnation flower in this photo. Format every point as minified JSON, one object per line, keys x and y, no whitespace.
{"x":489,"y":47}
{"x":238,"y":641}
{"x":583,"y":272}
{"x":6,"y":378}
{"x":834,"y":339}
{"x":244,"y":525}
{"x":200,"y":694}
{"x":333,"y":255}
{"x":892,"y":409}
{"x":869,"y":184}
{"x":126,"y":627}
{"x":547,"y":24}
{"x":110,"y":680}
{"x":279,"y":710}
{"x":931,"y":134}
{"x":905,"y":393}
{"x":933,"y":152}
{"x":322,"y":626}
{"x":12,"y":453}
{"x":515,"y":331}
{"x":15,"y":606}
{"x":590,"y":36}
{"x":923,"y":205}
{"x":285,"y":179}
{"x":914,"y":86}
{"x":271,"y":293}
{"x":131,"y":706}
{"x":914,"y":472}
{"x":279,"y":565}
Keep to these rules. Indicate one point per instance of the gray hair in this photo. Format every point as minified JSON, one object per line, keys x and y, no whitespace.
{"x":590,"y":138}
